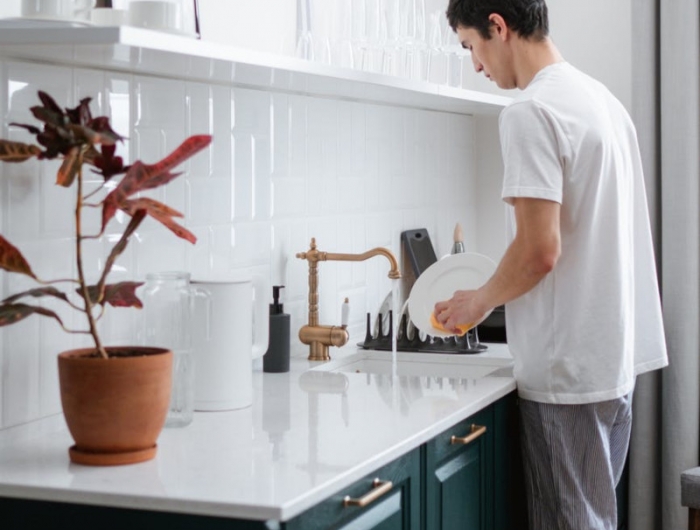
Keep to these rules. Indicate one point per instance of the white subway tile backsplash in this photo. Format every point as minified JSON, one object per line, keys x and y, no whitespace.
{"x":200,"y":120}
{"x":283,"y":168}
{"x":148,"y":144}
{"x":56,"y":221}
{"x":209,"y":201}
{"x":160,"y":103}
{"x":252,"y":111}
{"x":351,"y":195}
{"x":158,"y":250}
{"x":22,"y":206}
{"x":20,"y":372}
{"x":292,"y":237}
{"x":288,"y":197}
{"x":262,"y":188}
{"x":244,"y":176}
{"x":279,"y":135}
{"x":251,"y":245}
{"x":322,"y":139}
{"x":297,"y":136}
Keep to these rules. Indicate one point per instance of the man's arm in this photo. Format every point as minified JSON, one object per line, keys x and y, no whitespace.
{"x":532,"y":254}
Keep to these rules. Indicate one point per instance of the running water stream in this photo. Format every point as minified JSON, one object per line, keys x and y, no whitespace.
{"x":395,"y":319}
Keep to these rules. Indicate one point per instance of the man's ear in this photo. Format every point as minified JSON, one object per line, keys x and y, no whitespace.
{"x":499,"y":28}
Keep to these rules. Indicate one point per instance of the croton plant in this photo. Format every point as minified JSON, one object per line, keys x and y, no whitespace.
{"x":79,"y":139}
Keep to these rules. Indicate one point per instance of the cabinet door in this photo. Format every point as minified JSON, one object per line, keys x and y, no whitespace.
{"x":459,"y":476}
{"x":388,"y":499}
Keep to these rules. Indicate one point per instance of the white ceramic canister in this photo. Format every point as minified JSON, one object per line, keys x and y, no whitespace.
{"x":229,"y":331}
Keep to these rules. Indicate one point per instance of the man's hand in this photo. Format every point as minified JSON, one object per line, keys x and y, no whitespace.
{"x":462,"y":308}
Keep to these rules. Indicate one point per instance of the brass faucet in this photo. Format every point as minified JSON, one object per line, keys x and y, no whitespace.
{"x":319,"y":337}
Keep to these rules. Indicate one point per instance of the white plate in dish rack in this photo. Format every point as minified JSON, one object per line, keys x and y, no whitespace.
{"x":440,"y":281}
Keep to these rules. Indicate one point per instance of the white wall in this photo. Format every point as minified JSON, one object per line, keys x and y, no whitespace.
{"x":283,"y":168}
{"x":596,"y":37}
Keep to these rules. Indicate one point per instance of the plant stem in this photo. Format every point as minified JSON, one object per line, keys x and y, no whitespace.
{"x":79,"y":261}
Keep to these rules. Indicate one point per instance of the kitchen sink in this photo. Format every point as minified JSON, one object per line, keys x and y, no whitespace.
{"x":421,"y":365}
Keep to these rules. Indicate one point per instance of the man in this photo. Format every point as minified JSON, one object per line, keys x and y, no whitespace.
{"x":578,"y":275}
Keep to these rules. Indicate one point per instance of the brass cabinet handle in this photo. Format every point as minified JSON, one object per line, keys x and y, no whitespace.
{"x":379,"y":488}
{"x":475,"y":432}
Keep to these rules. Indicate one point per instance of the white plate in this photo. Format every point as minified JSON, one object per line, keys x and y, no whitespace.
{"x":440,"y":281}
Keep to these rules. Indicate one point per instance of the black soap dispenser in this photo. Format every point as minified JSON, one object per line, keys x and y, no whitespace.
{"x":276,"y":359}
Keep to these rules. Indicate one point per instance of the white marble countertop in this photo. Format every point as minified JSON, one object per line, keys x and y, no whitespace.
{"x":307,"y":435}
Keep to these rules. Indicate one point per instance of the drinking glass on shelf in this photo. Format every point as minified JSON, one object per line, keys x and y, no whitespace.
{"x":454,"y":69}
{"x":341,"y":45}
{"x":305,"y":45}
{"x":454,"y":53}
{"x":375,"y":37}
{"x":437,"y":60}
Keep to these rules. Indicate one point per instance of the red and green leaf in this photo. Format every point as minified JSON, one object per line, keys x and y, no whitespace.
{"x":69,"y":168}
{"x":81,"y":114}
{"x":108,"y":164}
{"x":31,"y":128}
{"x":37,"y":293}
{"x":48,"y":116}
{"x":141,"y":176}
{"x":49,"y":103}
{"x":102,"y":126}
{"x":122,"y":294}
{"x":136,"y":219}
{"x":12,"y":260}
{"x":11,"y":313}
{"x":190,"y":147}
{"x":161,"y":213}
{"x":17,"y":151}
{"x":85,"y":135}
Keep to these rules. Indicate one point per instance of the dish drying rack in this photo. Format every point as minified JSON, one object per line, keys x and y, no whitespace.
{"x":466,"y":344}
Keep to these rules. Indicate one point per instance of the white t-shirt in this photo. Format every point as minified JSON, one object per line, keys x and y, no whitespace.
{"x":594,"y":322}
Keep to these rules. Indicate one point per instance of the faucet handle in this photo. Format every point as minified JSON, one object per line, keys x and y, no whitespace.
{"x":345,"y":313}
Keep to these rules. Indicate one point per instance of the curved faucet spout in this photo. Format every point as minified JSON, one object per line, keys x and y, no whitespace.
{"x":394,"y":273}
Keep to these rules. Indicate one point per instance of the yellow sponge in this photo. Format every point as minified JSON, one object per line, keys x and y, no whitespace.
{"x":463,"y":328}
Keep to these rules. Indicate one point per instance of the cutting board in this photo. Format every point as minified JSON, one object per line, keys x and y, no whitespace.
{"x":419,"y":249}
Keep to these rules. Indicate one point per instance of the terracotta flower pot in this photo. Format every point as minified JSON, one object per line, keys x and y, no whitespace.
{"x":115,"y":408}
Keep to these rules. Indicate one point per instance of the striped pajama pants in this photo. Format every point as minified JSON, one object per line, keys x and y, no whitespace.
{"x":573,"y":458}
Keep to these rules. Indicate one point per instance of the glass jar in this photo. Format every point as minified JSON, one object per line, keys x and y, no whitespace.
{"x":168,"y":302}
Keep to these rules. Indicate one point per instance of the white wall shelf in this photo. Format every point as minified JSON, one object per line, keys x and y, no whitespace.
{"x":136,"y":50}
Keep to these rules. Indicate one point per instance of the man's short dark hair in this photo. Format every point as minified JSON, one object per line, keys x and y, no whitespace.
{"x":526,"y":17}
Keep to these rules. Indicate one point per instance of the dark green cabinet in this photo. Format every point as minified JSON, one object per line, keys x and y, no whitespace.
{"x":466,"y":478}
{"x":459,"y":476}
{"x":473,"y":478}
{"x":388,"y":499}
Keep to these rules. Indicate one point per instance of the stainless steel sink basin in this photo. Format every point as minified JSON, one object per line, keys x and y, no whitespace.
{"x":419,"y":365}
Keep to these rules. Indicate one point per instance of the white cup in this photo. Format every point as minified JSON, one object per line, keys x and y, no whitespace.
{"x":156,"y":14}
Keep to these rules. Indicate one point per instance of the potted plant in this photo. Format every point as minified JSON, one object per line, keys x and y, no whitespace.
{"x":115,"y":399}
